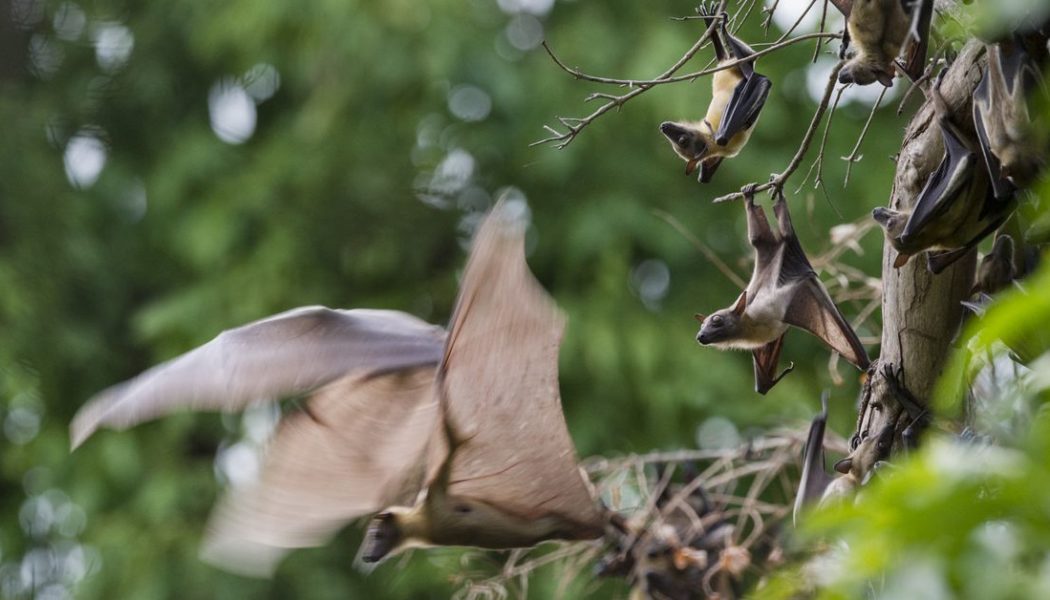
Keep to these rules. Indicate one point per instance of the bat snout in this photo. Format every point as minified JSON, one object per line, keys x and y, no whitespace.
{"x":703,"y":338}
{"x":671,"y":129}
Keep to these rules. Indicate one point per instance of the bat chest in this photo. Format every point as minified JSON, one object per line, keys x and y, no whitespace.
{"x":722,"y":85}
{"x":764,"y":319}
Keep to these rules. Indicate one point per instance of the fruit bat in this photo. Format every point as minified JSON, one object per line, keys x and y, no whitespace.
{"x":880,"y":30}
{"x":956,"y":208}
{"x":457,"y":439}
{"x":1001,"y":119}
{"x":817,"y":486}
{"x":996,"y":269}
{"x":784,"y":290}
{"x":738,"y":95}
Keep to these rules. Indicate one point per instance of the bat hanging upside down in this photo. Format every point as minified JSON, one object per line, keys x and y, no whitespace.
{"x":879,"y":30}
{"x":784,"y":290}
{"x":957,"y":207}
{"x":458,"y":440}
{"x":738,"y":95}
{"x":817,"y":486}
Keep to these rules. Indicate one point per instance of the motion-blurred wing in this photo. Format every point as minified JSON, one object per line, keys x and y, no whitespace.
{"x":499,"y":382}
{"x":289,"y":354}
{"x":812,"y":309}
{"x":358,"y":446}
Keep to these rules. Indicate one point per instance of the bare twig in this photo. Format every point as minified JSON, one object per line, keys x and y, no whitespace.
{"x":853,"y":156}
{"x":702,"y":248}
{"x":778,"y":179}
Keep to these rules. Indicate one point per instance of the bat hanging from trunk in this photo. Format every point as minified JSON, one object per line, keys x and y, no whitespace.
{"x":784,"y":291}
{"x":957,"y":207}
{"x":738,"y":95}
{"x":457,"y":439}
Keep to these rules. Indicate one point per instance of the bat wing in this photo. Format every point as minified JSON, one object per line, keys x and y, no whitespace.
{"x":982,"y":111}
{"x":765,"y":361}
{"x":708,"y":168}
{"x":913,"y":54}
{"x":844,"y":6}
{"x":499,"y":382}
{"x":741,"y":113}
{"x":812,"y":309}
{"x":357,"y":447}
{"x":815,"y":478}
{"x":945,"y":185}
{"x":289,"y":354}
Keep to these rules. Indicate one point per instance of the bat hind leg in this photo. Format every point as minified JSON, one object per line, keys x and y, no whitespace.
{"x":765,"y":361}
{"x":917,"y":412}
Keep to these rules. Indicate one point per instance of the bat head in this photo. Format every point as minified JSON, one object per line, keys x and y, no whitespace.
{"x":383,"y":536}
{"x":687,"y":141}
{"x":723,"y":325}
{"x":893,"y":223}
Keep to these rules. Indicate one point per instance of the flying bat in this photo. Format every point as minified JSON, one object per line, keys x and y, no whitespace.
{"x":956,"y":208}
{"x":820,"y":488}
{"x":1001,"y":119}
{"x":457,"y":439}
{"x":996,"y":269}
{"x":880,"y":30}
{"x":738,"y":95}
{"x":784,"y":290}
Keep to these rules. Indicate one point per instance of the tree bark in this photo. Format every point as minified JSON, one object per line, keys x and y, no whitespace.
{"x":921,"y":311}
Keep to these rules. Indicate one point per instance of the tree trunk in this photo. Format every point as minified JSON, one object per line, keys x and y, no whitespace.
{"x":921,"y":312}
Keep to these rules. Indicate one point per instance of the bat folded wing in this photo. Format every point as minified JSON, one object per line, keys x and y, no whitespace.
{"x":813,"y":310}
{"x":360,"y":445}
{"x":743,"y":109}
{"x":292,"y":353}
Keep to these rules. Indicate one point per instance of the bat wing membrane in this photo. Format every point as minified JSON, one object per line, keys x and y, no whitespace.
{"x":765,"y":361}
{"x":358,"y":446}
{"x":499,"y":382}
{"x":812,"y":309}
{"x":815,"y":478}
{"x":742,"y":111}
{"x":289,"y":354}
{"x":945,"y":184}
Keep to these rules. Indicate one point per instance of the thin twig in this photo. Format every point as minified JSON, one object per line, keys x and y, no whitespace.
{"x":702,"y":248}
{"x":853,"y":156}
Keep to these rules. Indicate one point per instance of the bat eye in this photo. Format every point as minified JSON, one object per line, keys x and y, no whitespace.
{"x":683,"y":140}
{"x":462,"y":509}
{"x":716,"y":320}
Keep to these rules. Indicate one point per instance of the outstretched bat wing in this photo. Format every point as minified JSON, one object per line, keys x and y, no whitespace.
{"x":289,"y":354}
{"x":812,"y":309}
{"x":749,"y":96}
{"x":358,"y":446}
{"x":499,"y":381}
{"x":815,"y":478}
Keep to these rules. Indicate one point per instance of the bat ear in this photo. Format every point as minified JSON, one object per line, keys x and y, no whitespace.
{"x":885,"y":79}
{"x":843,"y":466}
{"x":901,"y":260}
{"x":741,"y":304}
{"x":700,"y":318}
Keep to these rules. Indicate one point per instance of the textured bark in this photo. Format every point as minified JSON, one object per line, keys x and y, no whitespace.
{"x":921,"y":311}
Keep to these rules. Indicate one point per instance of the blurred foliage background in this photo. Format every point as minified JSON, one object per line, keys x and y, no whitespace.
{"x":168,"y":170}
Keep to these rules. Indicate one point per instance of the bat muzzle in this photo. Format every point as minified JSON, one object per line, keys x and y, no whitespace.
{"x":704,"y":338}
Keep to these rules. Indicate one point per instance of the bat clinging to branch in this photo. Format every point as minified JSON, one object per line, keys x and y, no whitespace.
{"x":459,"y":441}
{"x":784,"y":290}
{"x":817,"y":486}
{"x":1000,"y":117}
{"x":955,"y":210}
{"x":880,"y":30}
{"x":738,"y":95}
